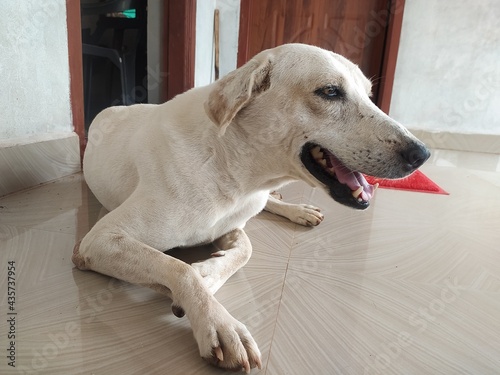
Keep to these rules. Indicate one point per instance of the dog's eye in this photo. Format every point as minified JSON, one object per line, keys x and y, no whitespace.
{"x":329,"y":92}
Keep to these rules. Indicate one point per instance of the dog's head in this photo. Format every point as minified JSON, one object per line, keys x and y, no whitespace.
{"x":316,"y":106}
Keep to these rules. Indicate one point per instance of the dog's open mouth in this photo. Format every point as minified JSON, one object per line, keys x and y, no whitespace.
{"x":345,"y":185}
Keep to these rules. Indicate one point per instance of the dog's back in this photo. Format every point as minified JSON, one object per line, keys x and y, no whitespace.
{"x":130,"y":144}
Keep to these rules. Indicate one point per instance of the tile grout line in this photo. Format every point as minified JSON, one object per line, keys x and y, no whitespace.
{"x":282,"y":290}
{"x":279,"y":304}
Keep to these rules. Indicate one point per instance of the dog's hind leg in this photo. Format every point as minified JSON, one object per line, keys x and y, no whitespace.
{"x":234,"y":252}
{"x":302,"y":214}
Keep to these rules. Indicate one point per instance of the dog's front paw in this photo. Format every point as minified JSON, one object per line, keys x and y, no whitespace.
{"x":224,"y":341}
{"x":305,"y":214}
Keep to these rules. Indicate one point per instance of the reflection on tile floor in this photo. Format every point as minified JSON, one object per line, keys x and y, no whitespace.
{"x":411,"y":286}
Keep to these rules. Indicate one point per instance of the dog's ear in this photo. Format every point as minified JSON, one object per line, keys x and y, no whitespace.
{"x":232,"y":92}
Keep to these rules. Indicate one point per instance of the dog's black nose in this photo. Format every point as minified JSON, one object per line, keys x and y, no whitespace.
{"x":415,"y":155}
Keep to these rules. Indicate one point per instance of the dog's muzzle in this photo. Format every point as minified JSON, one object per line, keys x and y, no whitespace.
{"x":347,"y":186}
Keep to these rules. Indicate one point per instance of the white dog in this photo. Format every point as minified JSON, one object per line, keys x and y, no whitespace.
{"x":194,"y":170}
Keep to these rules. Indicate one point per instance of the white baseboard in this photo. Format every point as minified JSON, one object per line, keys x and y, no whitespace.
{"x":483,"y":143}
{"x":27,"y":164}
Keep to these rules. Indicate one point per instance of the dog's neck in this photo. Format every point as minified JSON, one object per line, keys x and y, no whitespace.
{"x":265,"y":158}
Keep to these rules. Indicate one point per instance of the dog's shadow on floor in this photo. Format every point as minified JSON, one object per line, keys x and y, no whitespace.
{"x":192,"y":254}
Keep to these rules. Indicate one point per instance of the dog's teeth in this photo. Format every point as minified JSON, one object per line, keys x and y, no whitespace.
{"x":356,"y":193}
{"x":316,"y":153}
{"x":375,"y":187}
{"x":322,"y":162}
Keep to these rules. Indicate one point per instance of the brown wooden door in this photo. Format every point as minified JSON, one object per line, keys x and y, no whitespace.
{"x":357,"y":29}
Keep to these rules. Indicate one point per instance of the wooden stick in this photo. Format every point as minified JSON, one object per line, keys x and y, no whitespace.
{"x":216,"y":42}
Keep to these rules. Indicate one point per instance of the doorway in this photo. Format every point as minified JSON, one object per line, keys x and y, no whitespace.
{"x":114,"y":52}
{"x":173,"y":74}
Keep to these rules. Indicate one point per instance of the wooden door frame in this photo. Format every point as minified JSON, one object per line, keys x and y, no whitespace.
{"x":390,"y":53}
{"x":179,"y":43}
{"x":178,"y":33}
{"x":391,"y":49}
{"x":243,"y":32}
{"x":73,"y":21}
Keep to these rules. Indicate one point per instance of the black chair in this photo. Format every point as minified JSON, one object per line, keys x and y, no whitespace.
{"x":122,"y":56}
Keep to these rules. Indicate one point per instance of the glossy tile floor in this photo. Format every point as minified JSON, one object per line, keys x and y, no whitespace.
{"x":411,"y":286}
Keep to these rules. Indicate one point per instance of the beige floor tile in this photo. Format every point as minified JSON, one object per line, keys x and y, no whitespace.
{"x":410,"y":286}
{"x":65,"y":205}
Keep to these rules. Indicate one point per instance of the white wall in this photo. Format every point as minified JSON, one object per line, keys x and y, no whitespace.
{"x":34,"y":71}
{"x":37,"y":142}
{"x":229,"y":18}
{"x":448,"y":69}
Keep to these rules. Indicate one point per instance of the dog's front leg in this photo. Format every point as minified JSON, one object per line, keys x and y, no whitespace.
{"x":303,"y":214}
{"x":234,"y":252}
{"x":222,"y":340}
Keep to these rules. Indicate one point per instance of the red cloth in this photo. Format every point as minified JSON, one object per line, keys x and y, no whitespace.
{"x":417,"y":181}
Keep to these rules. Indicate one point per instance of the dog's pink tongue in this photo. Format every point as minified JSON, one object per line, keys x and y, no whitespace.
{"x":352,"y":179}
